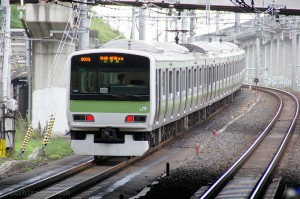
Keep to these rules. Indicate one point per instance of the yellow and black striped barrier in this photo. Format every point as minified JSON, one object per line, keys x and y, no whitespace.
{"x":2,"y":148}
{"x":49,"y":130}
{"x":26,"y":138}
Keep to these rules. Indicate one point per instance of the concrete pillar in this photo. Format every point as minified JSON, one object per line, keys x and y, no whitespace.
{"x":271,"y":58}
{"x":298,"y":49}
{"x":283,"y":63}
{"x":48,"y":63}
{"x":48,"y":100}
{"x":253,"y":63}
{"x":277,"y":56}
{"x":294,"y":57}
{"x":258,"y":60}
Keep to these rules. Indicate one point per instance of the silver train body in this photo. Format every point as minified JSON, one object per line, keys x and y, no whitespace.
{"x":140,"y":93}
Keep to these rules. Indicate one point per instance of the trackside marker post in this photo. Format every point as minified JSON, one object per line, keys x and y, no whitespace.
{"x":197,"y":149}
{"x":214,"y":133}
{"x":168,"y":169}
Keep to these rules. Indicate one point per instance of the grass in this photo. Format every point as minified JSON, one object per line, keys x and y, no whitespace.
{"x":56,"y":148}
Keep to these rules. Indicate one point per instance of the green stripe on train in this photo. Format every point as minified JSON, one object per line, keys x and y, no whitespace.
{"x":109,"y":106}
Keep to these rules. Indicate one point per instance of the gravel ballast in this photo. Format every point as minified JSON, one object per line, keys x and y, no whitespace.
{"x":217,"y":153}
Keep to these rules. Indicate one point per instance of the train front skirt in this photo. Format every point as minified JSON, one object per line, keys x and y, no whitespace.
{"x":128,"y":148}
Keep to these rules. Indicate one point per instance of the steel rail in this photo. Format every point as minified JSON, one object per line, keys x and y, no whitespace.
{"x":221,"y":182}
{"x":262,"y":183}
{"x":31,"y":188}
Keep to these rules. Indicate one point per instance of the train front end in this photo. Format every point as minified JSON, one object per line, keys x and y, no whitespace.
{"x":109,"y":109}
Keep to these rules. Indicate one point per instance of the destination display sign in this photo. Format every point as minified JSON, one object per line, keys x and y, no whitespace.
{"x":111,"y":59}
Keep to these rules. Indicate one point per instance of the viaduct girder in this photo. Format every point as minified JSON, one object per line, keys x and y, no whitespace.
{"x":286,"y":7}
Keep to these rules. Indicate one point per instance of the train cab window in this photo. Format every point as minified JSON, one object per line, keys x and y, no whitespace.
{"x":120,"y":77}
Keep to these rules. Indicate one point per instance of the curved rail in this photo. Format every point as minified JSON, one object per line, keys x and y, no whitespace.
{"x":220,"y":183}
{"x":261,"y":185}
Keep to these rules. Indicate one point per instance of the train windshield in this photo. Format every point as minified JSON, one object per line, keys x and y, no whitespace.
{"x":110,"y":77}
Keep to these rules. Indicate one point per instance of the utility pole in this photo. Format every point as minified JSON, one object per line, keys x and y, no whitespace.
{"x":192,"y":27}
{"x":133,"y":19}
{"x":83,"y":33}
{"x":185,"y":27}
{"x":237,"y":23}
{"x":257,"y":43}
{"x":142,"y":23}
{"x":6,"y":123}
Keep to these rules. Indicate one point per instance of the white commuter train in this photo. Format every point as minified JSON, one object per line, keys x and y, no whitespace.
{"x":130,"y":95}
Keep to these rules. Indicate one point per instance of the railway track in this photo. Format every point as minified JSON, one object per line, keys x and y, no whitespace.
{"x":79,"y":178}
{"x":249,"y":177}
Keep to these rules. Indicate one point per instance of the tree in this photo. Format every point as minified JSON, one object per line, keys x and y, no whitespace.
{"x":15,"y":19}
{"x":106,"y":33}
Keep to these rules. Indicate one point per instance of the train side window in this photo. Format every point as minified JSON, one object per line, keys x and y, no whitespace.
{"x":195,"y":78}
{"x":158,"y":76}
{"x":212,"y":73}
{"x":223,"y":71}
{"x":189,"y":80}
{"x":183,"y":81}
{"x":170,"y":82}
{"x":177,"y":83}
{"x":199,"y":77}
{"x":209,"y":76}
{"x":163,"y":83}
{"x":217,"y":73}
{"x":205,"y":76}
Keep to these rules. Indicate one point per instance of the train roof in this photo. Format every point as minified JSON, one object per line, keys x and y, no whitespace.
{"x":140,"y":45}
{"x":164,"y":47}
{"x":212,"y":47}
